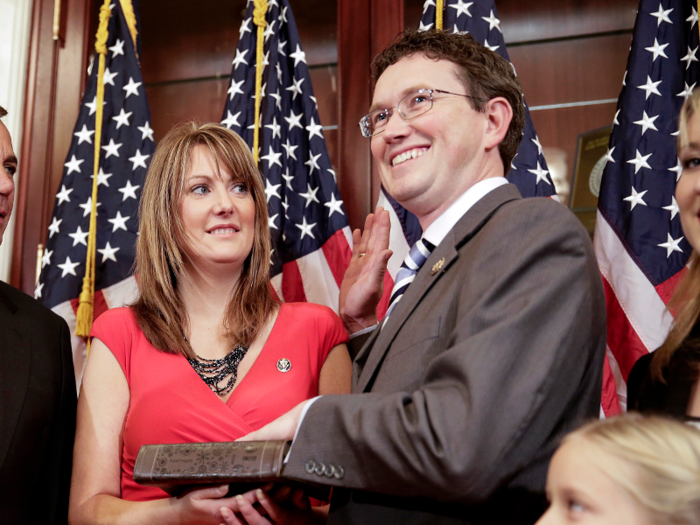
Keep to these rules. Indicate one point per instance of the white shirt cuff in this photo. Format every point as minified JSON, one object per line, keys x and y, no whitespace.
{"x":304,"y":410}
{"x":363,"y":331}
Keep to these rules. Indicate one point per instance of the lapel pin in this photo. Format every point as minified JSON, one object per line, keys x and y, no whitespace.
{"x":284,"y":365}
{"x":437,"y":266}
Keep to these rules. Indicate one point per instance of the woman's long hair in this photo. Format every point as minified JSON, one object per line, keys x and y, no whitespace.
{"x":664,"y":460}
{"x":160,"y":258}
{"x":686,"y":298}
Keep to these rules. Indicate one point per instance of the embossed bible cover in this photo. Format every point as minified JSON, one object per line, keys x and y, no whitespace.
{"x":243,"y":464}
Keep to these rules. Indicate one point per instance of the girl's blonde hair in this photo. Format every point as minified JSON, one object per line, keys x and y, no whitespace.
{"x":664,"y":460}
{"x":160,"y":258}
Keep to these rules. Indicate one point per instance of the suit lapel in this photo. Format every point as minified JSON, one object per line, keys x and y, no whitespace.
{"x":14,"y":372}
{"x":372,"y":354}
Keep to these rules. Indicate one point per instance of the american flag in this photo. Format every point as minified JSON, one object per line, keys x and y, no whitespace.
{"x":127,"y":146}
{"x":528,"y":171}
{"x":638,"y":238}
{"x":310,"y":233}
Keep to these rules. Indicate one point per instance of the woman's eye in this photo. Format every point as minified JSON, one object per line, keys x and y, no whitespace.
{"x":10,"y":169}
{"x":200,"y":190}
{"x":240,"y":188}
{"x":419,"y":99}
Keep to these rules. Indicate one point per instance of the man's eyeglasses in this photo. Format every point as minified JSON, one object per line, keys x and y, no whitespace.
{"x":411,"y":106}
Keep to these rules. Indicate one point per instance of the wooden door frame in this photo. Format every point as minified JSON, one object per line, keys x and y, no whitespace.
{"x":55,"y":81}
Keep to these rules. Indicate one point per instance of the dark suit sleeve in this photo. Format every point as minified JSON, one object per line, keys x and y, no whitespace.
{"x":61,"y":455}
{"x":514,"y":363}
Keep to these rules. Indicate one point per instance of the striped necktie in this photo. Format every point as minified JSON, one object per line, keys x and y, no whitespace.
{"x":418,"y":254}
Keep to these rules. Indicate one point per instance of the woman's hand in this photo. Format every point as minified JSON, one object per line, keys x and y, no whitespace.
{"x":271,"y":512}
{"x":363,"y":283}
{"x":204,"y":505}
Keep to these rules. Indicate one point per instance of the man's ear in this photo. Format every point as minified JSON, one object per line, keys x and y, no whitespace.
{"x":499,"y":114}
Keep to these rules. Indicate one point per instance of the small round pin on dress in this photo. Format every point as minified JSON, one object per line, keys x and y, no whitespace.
{"x":284,"y":365}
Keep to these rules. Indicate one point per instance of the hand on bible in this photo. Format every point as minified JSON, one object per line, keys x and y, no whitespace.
{"x":363,"y":283}
{"x":284,"y":427}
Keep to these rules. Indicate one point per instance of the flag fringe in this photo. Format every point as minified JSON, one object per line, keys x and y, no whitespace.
{"x":85,"y":308}
{"x":439,"y":8}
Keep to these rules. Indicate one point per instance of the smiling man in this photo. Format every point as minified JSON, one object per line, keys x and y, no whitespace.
{"x":37,"y":392}
{"x":494,"y":342}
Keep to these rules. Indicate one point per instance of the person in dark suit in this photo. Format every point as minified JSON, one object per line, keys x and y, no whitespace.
{"x":37,"y":393}
{"x":493,"y":352}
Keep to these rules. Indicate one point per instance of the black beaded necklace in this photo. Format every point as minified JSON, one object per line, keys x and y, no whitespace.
{"x":214,"y":371}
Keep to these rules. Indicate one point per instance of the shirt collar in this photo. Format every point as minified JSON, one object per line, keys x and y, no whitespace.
{"x":437,"y":231}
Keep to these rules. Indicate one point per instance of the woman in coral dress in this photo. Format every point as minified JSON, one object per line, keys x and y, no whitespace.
{"x":206,"y":353}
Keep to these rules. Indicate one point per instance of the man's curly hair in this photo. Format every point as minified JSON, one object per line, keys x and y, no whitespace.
{"x":485,"y":74}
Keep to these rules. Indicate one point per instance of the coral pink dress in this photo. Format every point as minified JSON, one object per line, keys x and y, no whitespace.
{"x":171,"y":404}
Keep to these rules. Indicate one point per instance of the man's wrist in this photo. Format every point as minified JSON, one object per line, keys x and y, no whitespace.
{"x":353,"y":325}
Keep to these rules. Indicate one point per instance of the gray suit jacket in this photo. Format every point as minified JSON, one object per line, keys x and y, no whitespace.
{"x":37,"y":411}
{"x":464,"y":394}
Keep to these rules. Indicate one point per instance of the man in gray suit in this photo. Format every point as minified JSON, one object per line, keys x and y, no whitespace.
{"x":494,"y":351}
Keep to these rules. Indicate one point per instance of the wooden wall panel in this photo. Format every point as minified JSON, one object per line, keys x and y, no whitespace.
{"x":354,"y":54}
{"x":170,"y":103}
{"x":182,"y":39}
{"x":560,"y":128}
{"x":537,"y":20}
{"x":203,"y":100}
{"x":572,"y":70}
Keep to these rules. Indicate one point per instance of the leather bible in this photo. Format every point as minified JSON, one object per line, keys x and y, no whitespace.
{"x":244,"y":465}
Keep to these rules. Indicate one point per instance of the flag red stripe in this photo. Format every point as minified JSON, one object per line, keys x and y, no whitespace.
{"x":274,"y":293}
{"x":666,"y":288}
{"x":384,"y":302}
{"x":623,"y":340}
{"x":99,"y":307}
{"x":609,"y":401}
{"x":337,"y":252}
{"x":292,"y":284}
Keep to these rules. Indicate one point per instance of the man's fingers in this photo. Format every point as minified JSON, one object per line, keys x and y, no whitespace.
{"x":366,"y":234}
{"x":356,"y":239}
{"x":267,"y":503}
{"x":280,"y":495}
{"x":300,"y":500}
{"x":251,"y":515}
{"x":228,"y":516}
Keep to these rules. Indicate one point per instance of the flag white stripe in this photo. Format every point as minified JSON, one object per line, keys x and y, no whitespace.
{"x":348,"y":235}
{"x":397,"y":241}
{"x":123,"y":293}
{"x":638,"y":298}
{"x":276,"y":282}
{"x":318,"y":280}
{"x":619,"y":380}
